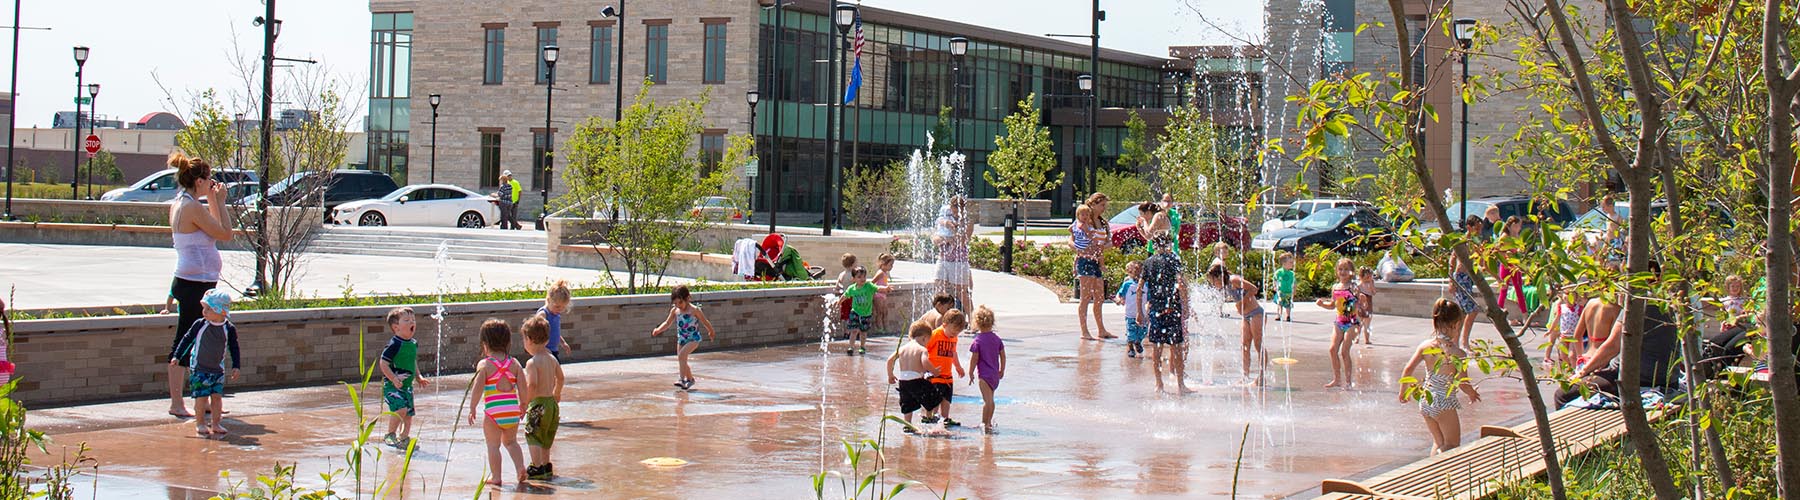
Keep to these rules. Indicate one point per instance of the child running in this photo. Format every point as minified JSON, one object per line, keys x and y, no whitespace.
{"x":204,"y":346}
{"x":942,"y":349}
{"x":1343,"y":331}
{"x":987,"y":362}
{"x":543,"y":384}
{"x":399,"y":364}
{"x":556,"y":304}
{"x":1131,"y":295}
{"x":502,"y":383}
{"x":1284,"y":288}
{"x":913,"y":380}
{"x":1444,"y":375}
{"x":1365,"y":303}
{"x":861,"y":295}
{"x":687,"y":318}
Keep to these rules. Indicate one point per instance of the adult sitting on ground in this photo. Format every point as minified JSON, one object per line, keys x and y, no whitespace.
{"x":197,"y":227}
{"x":1657,"y":360}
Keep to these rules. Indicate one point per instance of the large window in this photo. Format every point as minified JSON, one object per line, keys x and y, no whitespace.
{"x":546,"y":37}
{"x":714,"y":71}
{"x":494,"y":56}
{"x":539,"y":158}
{"x":712,"y":148}
{"x":390,"y":92}
{"x":656,"y":51}
{"x":490,"y":158}
{"x":600,"y":60}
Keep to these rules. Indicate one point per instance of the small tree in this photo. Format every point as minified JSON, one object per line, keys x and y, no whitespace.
{"x":875,"y":196}
{"x":208,"y":135}
{"x":1189,"y":155}
{"x":1123,"y":187}
{"x":645,"y":163}
{"x":943,"y":137}
{"x":107,"y":167}
{"x":1023,"y":163}
{"x":1134,"y":152}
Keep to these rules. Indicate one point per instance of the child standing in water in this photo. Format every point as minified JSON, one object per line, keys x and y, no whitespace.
{"x":498,"y":401}
{"x":987,"y":362}
{"x":913,"y":379}
{"x":1342,"y":300}
{"x":399,"y":366}
{"x":942,"y":349}
{"x":556,"y":304}
{"x":1444,"y":375}
{"x":544,"y":378}
{"x":884,"y":273}
{"x":1131,"y":295}
{"x":687,"y":319}
{"x":861,"y":295}
{"x":204,"y":347}
{"x":1284,"y":288}
{"x":1365,"y":303}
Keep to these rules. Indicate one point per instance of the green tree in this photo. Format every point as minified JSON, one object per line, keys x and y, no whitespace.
{"x":1188,"y":157}
{"x":647,"y":163}
{"x":875,"y":196}
{"x":107,"y":167}
{"x":1124,"y":188}
{"x":208,"y":135}
{"x":943,"y":136}
{"x":1134,"y":152}
{"x":1023,"y":163}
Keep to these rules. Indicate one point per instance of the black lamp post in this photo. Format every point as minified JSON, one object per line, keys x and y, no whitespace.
{"x":549,"y":140}
{"x":93,"y":125}
{"x":959,"y":47}
{"x":618,"y":60}
{"x":266,"y":130}
{"x":435,"y":99}
{"x":751,"y":97}
{"x":1086,"y":84}
{"x":844,"y":16}
{"x":81,"y":57}
{"x":1465,"y":37}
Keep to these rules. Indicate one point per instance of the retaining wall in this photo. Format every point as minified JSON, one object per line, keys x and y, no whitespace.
{"x":993,"y":212}
{"x":74,"y":361}
{"x":816,"y":248}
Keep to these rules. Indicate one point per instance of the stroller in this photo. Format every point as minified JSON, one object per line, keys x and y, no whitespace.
{"x":776,"y":261}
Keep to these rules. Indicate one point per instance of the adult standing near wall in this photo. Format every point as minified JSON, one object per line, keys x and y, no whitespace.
{"x":952,"y":241}
{"x":1088,"y":235}
{"x":197,"y":227}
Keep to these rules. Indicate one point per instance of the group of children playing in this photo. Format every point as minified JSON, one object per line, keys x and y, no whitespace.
{"x":924,"y":368}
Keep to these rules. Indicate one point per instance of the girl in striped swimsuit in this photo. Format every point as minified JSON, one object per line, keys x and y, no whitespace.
{"x":499,"y":398}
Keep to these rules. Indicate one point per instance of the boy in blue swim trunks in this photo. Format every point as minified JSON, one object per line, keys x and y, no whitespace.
{"x":204,"y":346}
{"x":399,"y":363}
{"x":1131,"y":295}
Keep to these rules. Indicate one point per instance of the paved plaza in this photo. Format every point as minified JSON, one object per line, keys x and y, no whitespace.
{"x":1075,"y":420}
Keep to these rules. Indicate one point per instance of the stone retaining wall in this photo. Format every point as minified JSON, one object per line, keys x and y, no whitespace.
{"x":707,"y":266}
{"x":75,"y":361}
{"x":816,"y":249}
{"x":993,"y":212}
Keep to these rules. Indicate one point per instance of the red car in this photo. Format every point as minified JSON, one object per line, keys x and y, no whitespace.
{"x":1197,"y":229}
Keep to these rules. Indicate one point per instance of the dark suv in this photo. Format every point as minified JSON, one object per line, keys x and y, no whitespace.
{"x":342,"y":187}
{"x":1559,"y":212}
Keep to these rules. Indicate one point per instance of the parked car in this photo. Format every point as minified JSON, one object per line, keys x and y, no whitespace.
{"x":237,"y":193}
{"x":160,"y":186}
{"x":1198,"y":229}
{"x":1349,"y":230}
{"x":717,"y":208}
{"x":1299,"y":209}
{"x":1559,"y":212}
{"x":1592,"y":224}
{"x":342,"y":187}
{"x":421,"y":205}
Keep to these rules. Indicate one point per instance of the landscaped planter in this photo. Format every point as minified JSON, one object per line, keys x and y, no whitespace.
{"x":85,"y":360}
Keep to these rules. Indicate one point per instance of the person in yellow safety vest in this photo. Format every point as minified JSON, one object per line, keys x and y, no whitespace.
{"x":509,"y":201}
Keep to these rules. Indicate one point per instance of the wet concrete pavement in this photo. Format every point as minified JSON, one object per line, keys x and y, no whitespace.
{"x":1074,"y":420}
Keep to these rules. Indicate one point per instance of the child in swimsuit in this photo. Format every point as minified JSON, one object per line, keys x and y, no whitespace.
{"x":502,"y":382}
{"x":1365,"y":302}
{"x":1242,"y":295}
{"x":987,"y":362}
{"x":1437,"y":401}
{"x":687,"y":320}
{"x":1342,"y":300}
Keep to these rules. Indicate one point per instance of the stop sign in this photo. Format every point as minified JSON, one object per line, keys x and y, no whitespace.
{"x":92,"y":144}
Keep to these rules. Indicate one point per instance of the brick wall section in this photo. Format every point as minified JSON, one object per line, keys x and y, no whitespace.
{"x":73,"y":361}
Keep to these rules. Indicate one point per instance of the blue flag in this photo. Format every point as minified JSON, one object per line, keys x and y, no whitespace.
{"x":855,"y":71}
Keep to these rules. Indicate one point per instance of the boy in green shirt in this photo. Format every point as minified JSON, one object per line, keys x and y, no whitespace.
{"x":862,"y":310}
{"x":399,"y":361}
{"x":1284,"y":288}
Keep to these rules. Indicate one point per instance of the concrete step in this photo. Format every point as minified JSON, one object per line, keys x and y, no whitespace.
{"x":485,"y":245}
{"x":431,"y":243}
{"x":482,"y":256}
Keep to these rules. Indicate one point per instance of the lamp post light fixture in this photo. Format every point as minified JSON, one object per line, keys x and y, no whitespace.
{"x":1086,"y":84}
{"x":93,"y":125}
{"x":843,"y":16}
{"x":1465,"y":38}
{"x":550,"y":52}
{"x":618,"y":59}
{"x":81,"y":57}
{"x":751,"y":97}
{"x":959,"y":47}
{"x":435,"y":99}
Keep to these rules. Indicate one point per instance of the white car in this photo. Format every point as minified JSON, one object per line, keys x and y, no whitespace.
{"x":421,"y":205}
{"x":160,"y":186}
{"x":1299,"y":209}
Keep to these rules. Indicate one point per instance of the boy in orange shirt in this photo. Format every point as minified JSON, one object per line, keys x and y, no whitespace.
{"x":942,"y":349}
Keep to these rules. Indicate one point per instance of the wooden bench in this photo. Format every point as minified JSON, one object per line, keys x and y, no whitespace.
{"x":1502,"y":455}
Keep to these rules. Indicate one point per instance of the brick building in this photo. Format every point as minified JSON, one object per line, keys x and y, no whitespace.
{"x":484,"y":59}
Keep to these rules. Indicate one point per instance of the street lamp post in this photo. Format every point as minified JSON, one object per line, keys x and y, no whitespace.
{"x":959,"y":47}
{"x":775,"y":86}
{"x":271,"y":29}
{"x":618,"y":60}
{"x":751,"y":97}
{"x":93,"y":125}
{"x":435,"y":99}
{"x":550,"y":52}
{"x":81,"y":57}
{"x":1465,"y":37}
{"x":1086,"y":84}
{"x":844,"y":15}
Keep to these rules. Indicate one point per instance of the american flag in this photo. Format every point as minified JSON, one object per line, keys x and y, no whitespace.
{"x":856,"y":70}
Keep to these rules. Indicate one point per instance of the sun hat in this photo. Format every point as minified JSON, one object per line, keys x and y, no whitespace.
{"x":217,"y":300}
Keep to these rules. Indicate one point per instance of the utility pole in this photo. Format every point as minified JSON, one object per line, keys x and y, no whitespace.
{"x":270,"y":28}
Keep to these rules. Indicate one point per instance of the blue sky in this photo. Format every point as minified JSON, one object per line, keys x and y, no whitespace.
{"x":186,"y":43}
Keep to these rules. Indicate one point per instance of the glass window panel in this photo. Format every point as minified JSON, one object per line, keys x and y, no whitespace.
{"x":494,"y":60}
{"x":600,"y":63}
{"x":403,"y":21}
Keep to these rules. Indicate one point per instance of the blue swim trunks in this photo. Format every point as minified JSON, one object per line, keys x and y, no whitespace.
{"x":203,"y":384}
{"x":1135,"y":331}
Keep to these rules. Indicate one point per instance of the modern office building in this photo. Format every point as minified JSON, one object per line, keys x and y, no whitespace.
{"x":484,"y":59}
